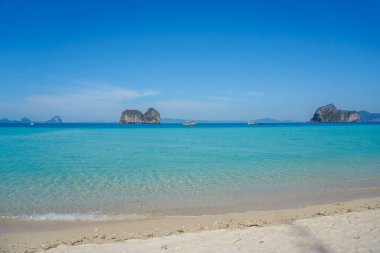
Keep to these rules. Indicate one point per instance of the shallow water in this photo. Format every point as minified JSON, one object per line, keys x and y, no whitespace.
{"x":103,"y":171}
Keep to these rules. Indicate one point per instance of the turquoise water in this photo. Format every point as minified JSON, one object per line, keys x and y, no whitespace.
{"x":113,"y":171}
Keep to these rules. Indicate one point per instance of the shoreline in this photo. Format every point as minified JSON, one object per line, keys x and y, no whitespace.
{"x":340,"y":233}
{"x":33,"y":236}
{"x":270,"y":200}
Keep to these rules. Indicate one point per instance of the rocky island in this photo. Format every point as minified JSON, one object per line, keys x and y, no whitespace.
{"x":136,"y":117}
{"x":22,"y":120}
{"x":54,"y":120}
{"x":369,"y":117}
{"x":329,"y":113}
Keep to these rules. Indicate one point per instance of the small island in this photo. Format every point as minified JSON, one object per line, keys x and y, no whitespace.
{"x":330,"y":114}
{"x":55,"y":120}
{"x":151,"y":116}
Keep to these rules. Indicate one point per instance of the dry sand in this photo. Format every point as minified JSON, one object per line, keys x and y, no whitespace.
{"x":350,"y":232}
{"x":349,"y":227}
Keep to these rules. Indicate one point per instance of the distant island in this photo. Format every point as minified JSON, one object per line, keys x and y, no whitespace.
{"x":22,"y":120}
{"x":54,"y":120}
{"x":179,"y":121}
{"x":263,"y":120}
{"x":325,"y":114}
{"x":274,"y":121}
{"x":329,"y":113}
{"x":151,"y":116}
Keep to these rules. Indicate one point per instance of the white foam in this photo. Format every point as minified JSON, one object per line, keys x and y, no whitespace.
{"x":71,"y":217}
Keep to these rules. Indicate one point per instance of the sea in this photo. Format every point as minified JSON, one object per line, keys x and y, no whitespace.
{"x":74,"y":172}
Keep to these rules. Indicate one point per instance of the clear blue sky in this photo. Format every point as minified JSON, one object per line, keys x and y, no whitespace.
{"x":237,"y":60}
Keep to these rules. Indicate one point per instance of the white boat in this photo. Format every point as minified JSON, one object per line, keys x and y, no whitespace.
{"x":190,"y":123}
{"x":31,"y":123}
{"x":250,"y":122}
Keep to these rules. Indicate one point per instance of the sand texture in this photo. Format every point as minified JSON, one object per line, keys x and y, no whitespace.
{"x":350,"y":232}
{"x":352,"y":226}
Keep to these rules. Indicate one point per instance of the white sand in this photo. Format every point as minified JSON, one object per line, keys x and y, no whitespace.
{"x":349,"y":232}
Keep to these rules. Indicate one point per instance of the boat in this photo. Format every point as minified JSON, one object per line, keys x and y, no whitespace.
{"x":190,"y":123}
{"x":31,"y":123}
{"x":250,"y":122}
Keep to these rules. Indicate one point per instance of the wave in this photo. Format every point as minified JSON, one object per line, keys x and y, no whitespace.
{"x":71,"y":217}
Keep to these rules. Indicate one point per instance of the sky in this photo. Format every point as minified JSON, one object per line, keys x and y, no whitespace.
{"x":212,"y":60}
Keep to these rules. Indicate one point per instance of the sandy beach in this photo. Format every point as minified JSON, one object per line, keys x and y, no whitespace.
{"x":352,"y":226}
{"x":350,"y":232}
{"x":189,"y":126}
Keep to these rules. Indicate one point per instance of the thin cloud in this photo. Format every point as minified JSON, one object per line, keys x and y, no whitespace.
{"x":193,"y":109}
{"x":220,"y":98}
{"x":85,"y":103}
{"x":181,"y":104}
{"x":255,"y":94}
{"x":88,"y":96}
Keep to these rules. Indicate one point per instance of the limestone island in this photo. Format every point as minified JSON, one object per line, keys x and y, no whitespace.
{"x":55,"y":120}
{"x":330,"y":114}
{"x":136,"y":117}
